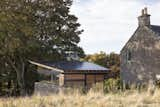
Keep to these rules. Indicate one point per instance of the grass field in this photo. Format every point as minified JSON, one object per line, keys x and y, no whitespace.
{"x":130,"y":98}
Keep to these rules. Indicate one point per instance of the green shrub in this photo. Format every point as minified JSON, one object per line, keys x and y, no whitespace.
{"x":112,"y":85}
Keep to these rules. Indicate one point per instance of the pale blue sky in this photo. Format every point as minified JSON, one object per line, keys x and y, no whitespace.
{"x":108,"y":24}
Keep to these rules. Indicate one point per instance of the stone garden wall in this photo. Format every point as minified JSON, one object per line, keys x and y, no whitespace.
{"x":46,"y":88}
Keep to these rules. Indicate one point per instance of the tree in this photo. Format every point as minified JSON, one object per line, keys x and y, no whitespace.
{"x":111,"y":61}
{"x":35,"y":30}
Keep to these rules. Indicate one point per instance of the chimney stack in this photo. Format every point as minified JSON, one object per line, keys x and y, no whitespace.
{"x":144,"y":19}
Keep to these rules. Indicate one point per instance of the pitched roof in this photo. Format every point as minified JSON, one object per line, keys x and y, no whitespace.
{"x":155,"y":28}
{"x":75,"y":65}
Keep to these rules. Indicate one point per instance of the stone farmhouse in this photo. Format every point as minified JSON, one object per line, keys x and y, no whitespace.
{"x":140,"y":57}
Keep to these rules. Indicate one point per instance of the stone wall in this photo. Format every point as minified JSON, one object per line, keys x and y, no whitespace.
{"x":144,"y":64}
{"x":46,"y":88}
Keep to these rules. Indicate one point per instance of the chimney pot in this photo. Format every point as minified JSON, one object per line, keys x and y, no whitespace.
{"x":142,"y":12}
{"x":145,"y":10}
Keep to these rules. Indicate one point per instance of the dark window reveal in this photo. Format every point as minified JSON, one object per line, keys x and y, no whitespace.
{"x":129,"y":55}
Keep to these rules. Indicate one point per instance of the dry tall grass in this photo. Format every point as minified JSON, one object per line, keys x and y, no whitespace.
{"x":131,"y":98}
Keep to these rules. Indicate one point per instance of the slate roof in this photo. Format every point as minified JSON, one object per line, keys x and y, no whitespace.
{"x":75,"y":65}
{"x":155,"y":28}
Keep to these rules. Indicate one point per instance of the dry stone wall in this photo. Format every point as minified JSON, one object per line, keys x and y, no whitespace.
{"x":46,"y":88}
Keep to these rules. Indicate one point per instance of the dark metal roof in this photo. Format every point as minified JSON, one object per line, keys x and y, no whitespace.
{"x":75,"y":65}
{"x":155,"y":28}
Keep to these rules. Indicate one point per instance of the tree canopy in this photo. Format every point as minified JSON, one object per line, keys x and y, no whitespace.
{"x":35,"y":30}
{"x":111,"y":61}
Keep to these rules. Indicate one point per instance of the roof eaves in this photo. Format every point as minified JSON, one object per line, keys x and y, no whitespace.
{"x":46,"y":66}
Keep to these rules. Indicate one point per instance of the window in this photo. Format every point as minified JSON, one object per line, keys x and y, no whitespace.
{"x":129,"y":55}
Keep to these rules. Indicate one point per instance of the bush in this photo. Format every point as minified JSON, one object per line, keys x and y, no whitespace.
{"x":112,"y":85}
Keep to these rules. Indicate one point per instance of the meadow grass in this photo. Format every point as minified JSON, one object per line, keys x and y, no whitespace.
{"x":74,"y":98}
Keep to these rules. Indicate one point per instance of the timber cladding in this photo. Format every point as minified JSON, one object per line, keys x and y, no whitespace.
{"x":74,"y":76}
{"x":84,"y":80}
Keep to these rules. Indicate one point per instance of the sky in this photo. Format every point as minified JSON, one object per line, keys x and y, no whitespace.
{"x":108,"y":24}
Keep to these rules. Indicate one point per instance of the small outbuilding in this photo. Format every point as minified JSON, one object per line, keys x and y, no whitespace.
{"x":72,"y":73}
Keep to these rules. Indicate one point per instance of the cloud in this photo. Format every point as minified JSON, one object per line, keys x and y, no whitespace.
{"x":108,"y":24}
